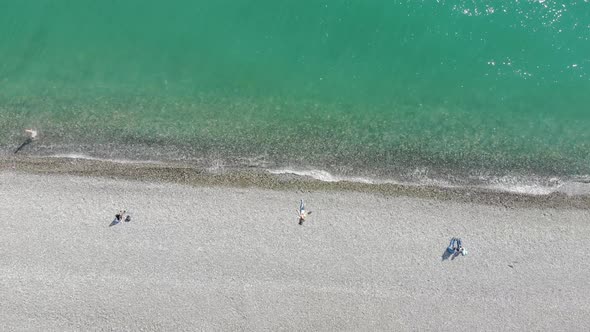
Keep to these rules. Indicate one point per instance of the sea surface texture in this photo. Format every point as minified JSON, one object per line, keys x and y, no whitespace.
{"x":449,"y":90}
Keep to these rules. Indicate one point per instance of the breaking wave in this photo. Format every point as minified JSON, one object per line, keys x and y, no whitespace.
{"x":526,"y":185}
{"x":537,"y":186}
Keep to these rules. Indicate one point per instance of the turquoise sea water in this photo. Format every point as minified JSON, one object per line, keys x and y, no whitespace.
{"x":369,"y":87}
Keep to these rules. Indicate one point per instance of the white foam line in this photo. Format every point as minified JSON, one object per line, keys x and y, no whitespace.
{"x":523,"y":185}
{"x":321,"y":175}
{"x":503,"y":184}
{"x":530,"y":189}
{"x":328,"y":177}
{"x":86,"y":157}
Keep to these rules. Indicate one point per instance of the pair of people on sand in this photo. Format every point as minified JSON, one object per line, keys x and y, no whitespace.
{"x":456,"y":247}
{"x":120,"y":216}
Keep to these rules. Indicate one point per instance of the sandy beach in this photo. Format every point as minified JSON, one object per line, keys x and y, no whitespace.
{"x":222,"y":258}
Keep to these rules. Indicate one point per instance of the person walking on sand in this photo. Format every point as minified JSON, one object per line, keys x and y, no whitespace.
{"x":301,"y":213}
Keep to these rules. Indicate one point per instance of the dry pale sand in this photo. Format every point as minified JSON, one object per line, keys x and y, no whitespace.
{"x":236,"y":259}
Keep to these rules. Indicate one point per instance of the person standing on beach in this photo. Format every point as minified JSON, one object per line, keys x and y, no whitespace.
{"x":301,"y":213}
{"x":32,"y":135}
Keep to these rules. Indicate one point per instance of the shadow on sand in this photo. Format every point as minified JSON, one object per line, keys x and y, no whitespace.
{"x":446,"y":255}
{"x":25,"y":143}
{"x":114,"y":222}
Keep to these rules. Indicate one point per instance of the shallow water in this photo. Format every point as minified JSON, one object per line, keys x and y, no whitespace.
{"x":451,"y":91}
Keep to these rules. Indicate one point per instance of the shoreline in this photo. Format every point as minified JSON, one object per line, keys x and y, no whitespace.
{"x":259,"y":178}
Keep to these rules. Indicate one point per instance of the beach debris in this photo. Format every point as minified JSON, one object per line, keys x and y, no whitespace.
{"x":302,"y":213}
{"x":31,"y":136}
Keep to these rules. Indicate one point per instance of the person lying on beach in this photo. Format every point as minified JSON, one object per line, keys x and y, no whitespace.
{"x":301,"y":213}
